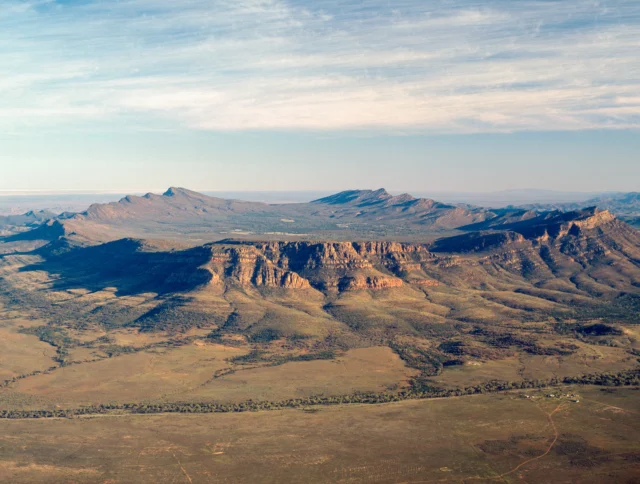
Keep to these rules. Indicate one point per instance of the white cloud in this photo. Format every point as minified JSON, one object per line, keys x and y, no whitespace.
{"x":270,"y":64}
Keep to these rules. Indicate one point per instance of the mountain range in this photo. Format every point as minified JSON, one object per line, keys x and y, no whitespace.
{"x":489,"y":266}
{"x":191,"y":217}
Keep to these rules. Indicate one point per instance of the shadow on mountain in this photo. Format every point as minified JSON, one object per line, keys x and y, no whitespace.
{"x":531,"y":225}
{"x":129,"y":265}
{"x":475,"y":242}
{"x":48,"y":231}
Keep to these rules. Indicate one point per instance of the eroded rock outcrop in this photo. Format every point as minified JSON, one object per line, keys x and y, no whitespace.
{"x":369,"y":282}
{"x":325,"y":265}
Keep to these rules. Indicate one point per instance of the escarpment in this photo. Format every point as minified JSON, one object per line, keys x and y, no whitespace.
{"x":248,"y":266}
{"x":325,"y":265}
{"x":469,"y":258}
{"x":577,"y":247}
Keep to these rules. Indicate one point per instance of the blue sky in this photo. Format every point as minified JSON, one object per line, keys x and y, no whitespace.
{"x":274,"y":95}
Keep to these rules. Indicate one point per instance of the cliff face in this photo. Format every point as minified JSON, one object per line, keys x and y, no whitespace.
{"x":470,"y":258}
{"x":554,"y":225}
{"x":329,"y":265}
{"x":539,"y":252}
{"x":249,"y":266}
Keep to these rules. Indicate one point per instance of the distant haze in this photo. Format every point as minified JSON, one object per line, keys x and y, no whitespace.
{"x":12,"y":203}
{"x":510,"y":197}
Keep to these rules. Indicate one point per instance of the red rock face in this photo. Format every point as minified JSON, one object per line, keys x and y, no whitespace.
{"x":291,"y":280}
{"x":248,"y":266}
{"x":373,"y":283}
{"x":354,"y":266}
{"x":330,"y":265}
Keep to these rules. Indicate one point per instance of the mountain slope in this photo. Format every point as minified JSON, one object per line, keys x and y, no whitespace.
{"x":175,"y":203}
{"x":177,"y":214}
{"x":381,"y":206}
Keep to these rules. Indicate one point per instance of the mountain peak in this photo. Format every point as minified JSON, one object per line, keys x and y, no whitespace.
{"x":380,"y":192}
{"x":182,"y":192}
{"x":356,"y":197}
{"x":176,"y":191}
{"x":403,"y":198}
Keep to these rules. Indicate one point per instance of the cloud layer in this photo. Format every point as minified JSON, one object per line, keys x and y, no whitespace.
{"x":402,"y":66}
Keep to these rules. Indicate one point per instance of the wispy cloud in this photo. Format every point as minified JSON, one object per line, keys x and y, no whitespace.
{"x":407,"y":65}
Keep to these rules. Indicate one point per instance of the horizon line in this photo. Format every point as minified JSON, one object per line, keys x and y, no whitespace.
{"x":19,"y":192}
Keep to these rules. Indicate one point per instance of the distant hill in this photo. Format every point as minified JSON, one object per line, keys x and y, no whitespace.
{"x":26,"y":231}
{"x":24,"y":220}
{"x":184,"y":215}
{"x":516,"y":197}
{"x":626,"y":206}
{"x":381,"y":206}
{"x":623,"y":205}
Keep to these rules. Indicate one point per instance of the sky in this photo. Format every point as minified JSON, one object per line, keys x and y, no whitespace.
{"x":416,"y":95}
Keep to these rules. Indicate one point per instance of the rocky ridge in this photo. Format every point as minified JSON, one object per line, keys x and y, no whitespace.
{"x":539,"y":252}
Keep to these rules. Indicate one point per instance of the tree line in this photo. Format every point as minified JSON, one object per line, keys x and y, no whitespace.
{"x":623,"y":378}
